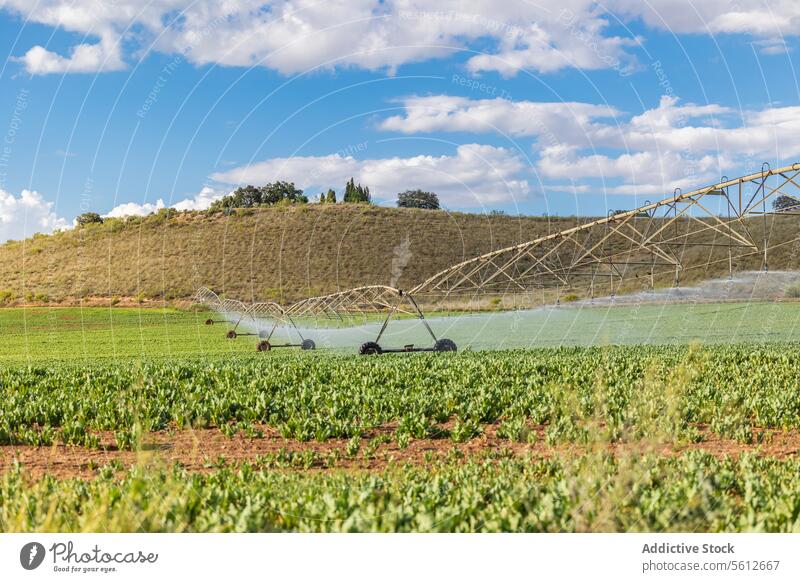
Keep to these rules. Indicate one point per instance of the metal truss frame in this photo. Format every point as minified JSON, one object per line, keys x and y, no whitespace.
{"x":635,"y":242}
{"x":256,"y":313}
{"x":648,"y":241}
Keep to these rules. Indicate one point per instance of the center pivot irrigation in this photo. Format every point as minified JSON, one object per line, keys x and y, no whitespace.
{"x":724,"y":227}
{"x":235,"y":312}
{"x":344,"y":308}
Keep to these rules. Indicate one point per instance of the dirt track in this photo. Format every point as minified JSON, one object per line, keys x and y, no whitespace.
{"x":203,"y":450}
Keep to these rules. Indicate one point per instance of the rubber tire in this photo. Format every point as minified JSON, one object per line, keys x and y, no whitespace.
{"x":209,"y":322}
{"x":370,"y":348}
{"x":231,"y":334}
{"x":308,"y":344}
{"x":263,"y":346}
{"x":445,"y":345}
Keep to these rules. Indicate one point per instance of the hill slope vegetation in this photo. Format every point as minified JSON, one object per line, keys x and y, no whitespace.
{"x":280,"y":253}
{"x":287,"y":253}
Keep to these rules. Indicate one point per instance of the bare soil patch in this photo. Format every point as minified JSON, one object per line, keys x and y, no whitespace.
{"x":209,"y":449}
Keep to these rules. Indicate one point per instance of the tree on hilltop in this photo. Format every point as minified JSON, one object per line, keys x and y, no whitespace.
{"x":418,"y":199}
{"x":356,"y":193}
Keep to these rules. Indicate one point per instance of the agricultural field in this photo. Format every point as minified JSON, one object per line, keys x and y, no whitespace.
{"x":92,"y":334}
{"x":148,"y":420}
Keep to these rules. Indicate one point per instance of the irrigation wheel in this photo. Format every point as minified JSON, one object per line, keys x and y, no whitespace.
{"x":209,"y":322}
{"x":263,"y":346}
{"x":308,"y":344}
{"x":370,"y":348}
{"x":445,"y":345}
{"x":231,"y":334}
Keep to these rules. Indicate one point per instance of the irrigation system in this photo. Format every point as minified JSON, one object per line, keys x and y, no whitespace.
{"x":716,"y":228}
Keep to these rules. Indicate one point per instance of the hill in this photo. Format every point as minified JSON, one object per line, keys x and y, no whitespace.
{"x":280,"y":253}
{"x":287,"y":253}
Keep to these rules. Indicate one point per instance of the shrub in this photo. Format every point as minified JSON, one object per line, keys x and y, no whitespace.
{"x":418,"y":199}
{"x":268,"y":195}
{"x":88,"y":218}
{"x":7,"y":296}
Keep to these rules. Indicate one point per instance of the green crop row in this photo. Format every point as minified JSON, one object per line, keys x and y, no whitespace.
{"x":622,"y":392}
{"x":693,"y":492}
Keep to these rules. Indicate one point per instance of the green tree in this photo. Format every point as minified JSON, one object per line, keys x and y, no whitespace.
{"x":418,"y":199}
{"x":331,"y":196}
{"x":278,"y":191}
{"x":268,"y":195}
{"x":356,"y":193}
{"x":785,"y":203}
{"x":88,"y":218}
{"x":242,"y":197}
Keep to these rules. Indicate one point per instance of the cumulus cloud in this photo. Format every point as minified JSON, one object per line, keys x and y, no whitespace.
{"x":571,"y":121}
{"x":757,"y":17}
{"x":670,"y":145}
{"x":27,"y":214}
{"x":200,"y":201}
{"x":475,"y":175}
{"x":83,"y":58}
{"x":135,"y":209}
{"x":293,"y":37}
{"x":640,"y":173}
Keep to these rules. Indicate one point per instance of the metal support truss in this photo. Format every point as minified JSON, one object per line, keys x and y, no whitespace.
{"x":650,"y":240}
{"x":360,"y":301}
{"x":725,"y":222}
{"x":257,"y":314}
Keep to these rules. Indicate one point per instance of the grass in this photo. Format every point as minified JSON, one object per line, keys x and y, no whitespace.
{"x":573,"y":394}
{"x":66,"y":373}
{"x":91,"y":334}
{"x":694,"y":492}
{"x":281,"y":253}
{"x":44,"y":334}
{"x":289,"y":253}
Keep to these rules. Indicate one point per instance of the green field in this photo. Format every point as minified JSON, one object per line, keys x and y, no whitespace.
{"x":536,"y":439}
{"x":89,"y":334}
{"x":735,"y":390}
{"x":94,"y":333}
{"x":695,"y":492}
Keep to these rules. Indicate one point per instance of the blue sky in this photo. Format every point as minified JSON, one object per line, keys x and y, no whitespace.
{"x":562,"y":108}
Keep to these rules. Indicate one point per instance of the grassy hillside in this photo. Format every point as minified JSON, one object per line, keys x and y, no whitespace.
{"x":287,"y":253}
{"x":282,"y":253}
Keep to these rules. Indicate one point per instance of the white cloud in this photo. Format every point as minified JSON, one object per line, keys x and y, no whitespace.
{"x":670,"y":145}
{"x":568,"y":121}
{"x":84,"y":58}
{"x":772,"y":46}
{"x":639,"y":173}
{"x":295,"y":36}
{"x":134,"y":209}
{"x":567,"y":34}
{"x":756,"y":17}
{"x":200,"y":201}
{"x":23,"y":216}
{"x":475,"y":175}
